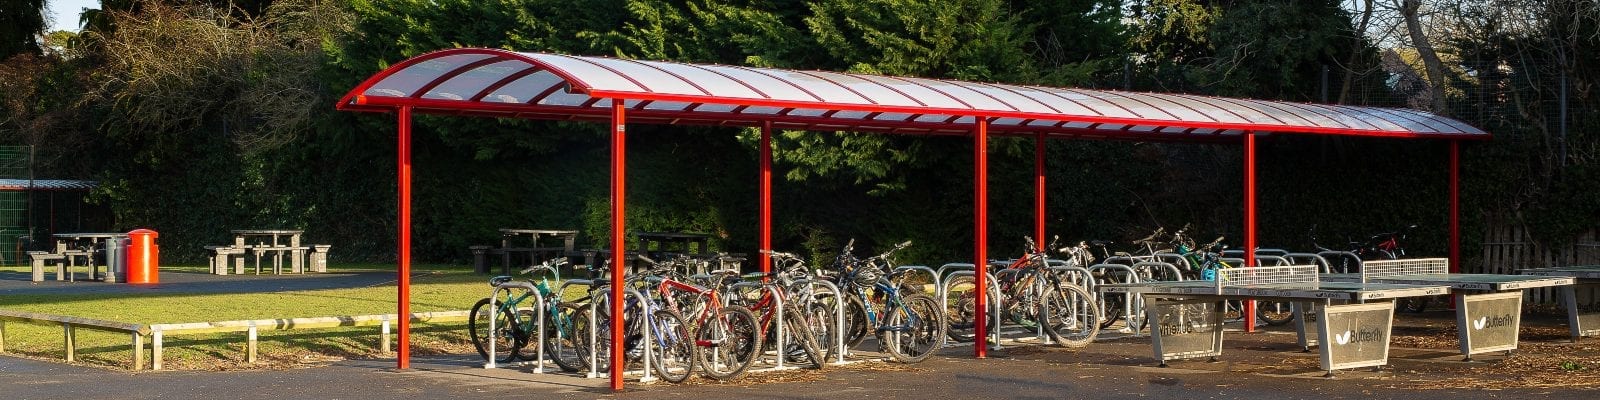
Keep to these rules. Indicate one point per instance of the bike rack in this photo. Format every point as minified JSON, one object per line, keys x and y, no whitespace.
{"x":1314,"y":258}
{"x":931,"y":273}
{"x":778,"y":321}
{"x":1330,"y":255}
{"x":1123,"y":260}
{"x":838,"y":314}
{"x":1168,"y":270}
{"x":966,"y":269}
{"x":1278,"y":260}
{"x":538,"y":299}
{"x":1176,"y":260}
{"x":1130,"y":276}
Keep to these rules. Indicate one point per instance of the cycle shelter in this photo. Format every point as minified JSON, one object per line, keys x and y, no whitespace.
{"x":507,"y":84}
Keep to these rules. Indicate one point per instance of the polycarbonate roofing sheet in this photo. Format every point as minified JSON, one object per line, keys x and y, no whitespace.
{"x":551,"y":86}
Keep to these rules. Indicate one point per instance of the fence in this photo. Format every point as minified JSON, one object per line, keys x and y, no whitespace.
{"x":1508,"y":248}
{"x":158,"y":332}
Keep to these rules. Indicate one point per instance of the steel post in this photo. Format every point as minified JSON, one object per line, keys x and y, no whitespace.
{"x":619,"y":253}
{"x":403,"y":353}
{"x":1249,"y":221}
{"x":980,"y":235}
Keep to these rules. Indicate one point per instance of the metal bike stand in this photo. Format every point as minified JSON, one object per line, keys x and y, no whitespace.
{"x":1330,"y":255}
{"x":1313,"y":258}
{"x":1130,"y":276}
{"x":994,"y":312}
{"x":777,"y":319}
{"x":923,"y":268}
{"x":493,"y":299}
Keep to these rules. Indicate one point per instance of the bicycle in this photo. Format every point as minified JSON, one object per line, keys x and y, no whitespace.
{"x":1032,"y":295}
{"x":516,"y":324}
{"x":910,"y":326}
{"x":726,"y":338}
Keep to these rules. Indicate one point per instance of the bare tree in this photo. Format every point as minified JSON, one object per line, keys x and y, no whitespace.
{"x":1410,"y":10}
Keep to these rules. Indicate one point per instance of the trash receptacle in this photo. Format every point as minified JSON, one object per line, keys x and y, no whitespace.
{"x":116,"y":253}
{"x":143,"y":256}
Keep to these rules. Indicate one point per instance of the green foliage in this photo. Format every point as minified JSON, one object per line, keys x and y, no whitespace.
{"x":198,"y":122}
{"x":21,"y":23}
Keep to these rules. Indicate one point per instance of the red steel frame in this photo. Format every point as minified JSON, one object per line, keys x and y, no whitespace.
{"x":619,"y":210}
{"x":1249,"y":221}
{"x":355,"y":100}
{"x":765,"y":223}
{"x":980,"y":236}
{"x":403,"y":352}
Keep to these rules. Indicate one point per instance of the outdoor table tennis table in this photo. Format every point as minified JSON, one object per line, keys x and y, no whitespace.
{"x":1488,"y":306}
{"x":1186,"y":316}
{"x":1581,"y":322}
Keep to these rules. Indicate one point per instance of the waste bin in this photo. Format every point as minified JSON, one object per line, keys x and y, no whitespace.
{"x":143,"y":256}
{"x":116,"y":253}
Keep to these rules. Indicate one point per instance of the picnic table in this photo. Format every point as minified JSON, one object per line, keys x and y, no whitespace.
{"x":684,"y":242}
{"x":91,"y":247}
{"x":515,"y":241}
{"x":259,"y":242}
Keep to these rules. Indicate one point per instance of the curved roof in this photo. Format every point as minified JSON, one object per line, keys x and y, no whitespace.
{"x":552,"y":86}
{"x":17,"y":185}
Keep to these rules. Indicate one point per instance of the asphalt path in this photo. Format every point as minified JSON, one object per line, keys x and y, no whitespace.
{"x":1254,"y":366}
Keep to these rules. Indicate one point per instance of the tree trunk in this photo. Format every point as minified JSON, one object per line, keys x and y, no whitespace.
{"x":1435,"y":68}
{"x":1355,"y":53}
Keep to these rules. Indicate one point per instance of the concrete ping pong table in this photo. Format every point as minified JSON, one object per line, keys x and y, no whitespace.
{"x":1488,"y":306}
{"x":1581,"y":322}
{"x":1187,"y":315}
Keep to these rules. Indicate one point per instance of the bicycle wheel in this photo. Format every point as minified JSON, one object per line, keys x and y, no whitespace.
{"x":504,"y":334}
{"x":527,"y":324}
{"x":1071,"y":316}
{"x":673,"y":356}
{"x":855,"y":321}
{"x":1414,"y":304}
{"x":801,"y":336}
{"x":728,"y":343}
{"x":1275,"y":313}
{"x":915,"y":330}
{"x":1112,"y":304}
{"x":960,"y":307}
{"x":559,"y":343}
{"x":821,"y":318}
{"x":592,"y":353}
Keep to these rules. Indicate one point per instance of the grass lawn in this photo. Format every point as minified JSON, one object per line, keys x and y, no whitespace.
{"x":435,"y":288}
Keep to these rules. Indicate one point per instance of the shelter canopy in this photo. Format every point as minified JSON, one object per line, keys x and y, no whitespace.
{"x":495,"y":82}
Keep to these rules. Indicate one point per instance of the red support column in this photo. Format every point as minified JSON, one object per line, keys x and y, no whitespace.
{"x":1455,"y":207}
{"x":1249,"y":221}
{"x":619,"y":254}
{"x":1038,"y":189}
{"x":766,"y":197}
{"x":980,"y":236}
{"x":403,"y":352}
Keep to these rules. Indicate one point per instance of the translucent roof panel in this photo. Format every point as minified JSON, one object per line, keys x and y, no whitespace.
{"x":495,"y":82}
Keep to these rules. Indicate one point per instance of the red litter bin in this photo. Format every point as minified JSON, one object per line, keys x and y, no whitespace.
{"x":143,"y":256}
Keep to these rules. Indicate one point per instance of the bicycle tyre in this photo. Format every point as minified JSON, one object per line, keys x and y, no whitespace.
{"x":600,"y":347}
{"x":923,"y":333}
{"x":1112,"y":305}
{"x":504,"y":335}
{"x":559,"y":343}
{"x":1070,"y":316}
{"x":855,"y":320}
{"x":960,"y":308}
{"x":527,"y":324}
{"x":821,"y":317}
{"x":799,"y":330}
{"x":728,"y":343}
{"x":673,"y":359}
{"x":1275,"y":313}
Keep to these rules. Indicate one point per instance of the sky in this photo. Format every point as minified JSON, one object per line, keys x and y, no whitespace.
{"x":64,"y":13}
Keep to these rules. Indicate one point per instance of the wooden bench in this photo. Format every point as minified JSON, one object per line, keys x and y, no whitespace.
{"x":40,"y":258}
{"x":220,"y":257}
